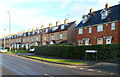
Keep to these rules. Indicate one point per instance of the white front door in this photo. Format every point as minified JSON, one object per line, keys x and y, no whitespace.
{"x":108,"y":41}
{"x":86,"y":42}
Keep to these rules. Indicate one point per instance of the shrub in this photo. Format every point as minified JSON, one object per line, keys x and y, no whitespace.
{"x":105,"y":52}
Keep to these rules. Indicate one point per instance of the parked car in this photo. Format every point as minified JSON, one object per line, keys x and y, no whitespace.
{"x":2,"y":49}
{"x":32,"y":50}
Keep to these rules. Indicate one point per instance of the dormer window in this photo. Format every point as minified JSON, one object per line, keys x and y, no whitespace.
{"x":28,"y":33}
{"x":62,"y":26}
{"x":85,"y":18}
{"x":104,"y":13}
{"x":46,"y":30}
{"x":33,"y":32}
{"x":25,"y":34}
{"x":38,"y":31}
{"x":54,"y":28}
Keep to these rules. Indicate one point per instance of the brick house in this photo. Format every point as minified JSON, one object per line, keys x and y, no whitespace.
{"x":62,"y":33}
{"x":99,"y":27}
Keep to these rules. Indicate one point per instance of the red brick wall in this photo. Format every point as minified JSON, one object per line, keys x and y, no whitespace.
{"x":94,"y":35}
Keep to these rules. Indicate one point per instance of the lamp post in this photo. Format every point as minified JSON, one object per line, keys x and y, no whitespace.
{"x":4,"y":38}
{"x":9,"y":28}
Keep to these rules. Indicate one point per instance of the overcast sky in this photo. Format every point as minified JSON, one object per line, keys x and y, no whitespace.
{"x":29,"y":14}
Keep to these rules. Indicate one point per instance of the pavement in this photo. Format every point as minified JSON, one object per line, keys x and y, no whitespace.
{"x":112,"y":68}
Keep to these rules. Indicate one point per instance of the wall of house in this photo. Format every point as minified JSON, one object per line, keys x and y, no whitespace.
{"x":94,"y":35}
{"x":57,"y":36}
{"x":71,"y":34}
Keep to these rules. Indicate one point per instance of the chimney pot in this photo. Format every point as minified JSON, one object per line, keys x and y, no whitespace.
{"x":91,"y":10}
{"x":57,"y":23}
{"x":107,"y":5}
{"x":66,"y":21}
{"x":50,"y":25}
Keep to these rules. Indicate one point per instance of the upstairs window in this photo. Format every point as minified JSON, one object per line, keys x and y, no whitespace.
{"x":80,"y":31}
{"x":113,"y":26}
{"x":100,"y":28}
{"x":104,"y":13}
{"x":62,"y":26}
{"x":61,"y":36}
{"x":52,"y":37}
{"x":28,"y":33}
{"x":85,"y":18}
{"x":90,"y":29}
{"x":25,"y":34}
{"x":33,"y":32}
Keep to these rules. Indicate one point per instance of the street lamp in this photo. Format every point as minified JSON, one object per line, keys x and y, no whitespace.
{"x":9,"y":29}
{"x":4,"y":38}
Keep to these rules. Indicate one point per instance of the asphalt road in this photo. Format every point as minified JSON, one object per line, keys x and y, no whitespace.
{"x":12,"y":65}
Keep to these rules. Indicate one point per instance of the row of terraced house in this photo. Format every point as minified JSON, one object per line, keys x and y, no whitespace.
{"x":97,"y":27}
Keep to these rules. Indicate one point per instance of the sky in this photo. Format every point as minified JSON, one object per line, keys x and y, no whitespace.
{"x":30,"y":14}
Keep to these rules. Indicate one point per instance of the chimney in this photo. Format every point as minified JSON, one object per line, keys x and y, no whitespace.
{"x":91,"y":10}
{"x":57,"y":23}
{"x":50,"y":25}
{"x":37,"y":28}
{"x":107,"y":5}
{"x":42,"y":27}
{"x":33,"y":29}
{"x":66,"y":21}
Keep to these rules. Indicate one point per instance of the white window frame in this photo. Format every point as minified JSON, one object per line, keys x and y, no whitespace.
{"x":80,"y":31}
{"x":113,"y":26}
{"x":80,"y":42}
{"x":99,"y":39}
{"x":99,"y":28}
{"x":61,"y":36}
{"x":90,"y":29}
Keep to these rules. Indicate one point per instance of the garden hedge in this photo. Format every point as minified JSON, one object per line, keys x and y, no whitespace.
{"x":105,"y":52}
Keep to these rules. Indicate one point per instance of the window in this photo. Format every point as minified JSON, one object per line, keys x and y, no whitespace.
{"x":80,"y":42}
{"x":86,"y":42}
{"x":85,"y":18}
{"x":25,"y":34}
{"x":62,"y":26}
{"x":52,"y":37}
{"x":100,"y":41}
{"x":100,"y":28}
{"x":90,"y":29}
{"x":113,"y":26}
{"x":80,"y":31}
{"x":33,"y":32}
{"x":28,"y":33}
{"x":104,"y":15}
{"x":61,"y":36}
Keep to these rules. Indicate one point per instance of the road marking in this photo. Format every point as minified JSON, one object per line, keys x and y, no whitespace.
{"x":48,"y":75}
{"x":90,"y":70}
{"x":99,"y":71}
{"x":81,"y":68}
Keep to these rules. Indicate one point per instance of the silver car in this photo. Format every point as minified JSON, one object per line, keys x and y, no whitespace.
{"x":2,"y":49}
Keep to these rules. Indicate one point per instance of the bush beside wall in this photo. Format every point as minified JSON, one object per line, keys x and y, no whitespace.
{"x":105,"y":52}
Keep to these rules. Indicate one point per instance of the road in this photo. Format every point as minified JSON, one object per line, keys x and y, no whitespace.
{"x":12,"y":65}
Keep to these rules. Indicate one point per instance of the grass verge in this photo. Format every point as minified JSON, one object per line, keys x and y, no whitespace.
{"x":57,"y":60}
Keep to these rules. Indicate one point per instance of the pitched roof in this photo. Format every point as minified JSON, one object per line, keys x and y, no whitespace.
{"x":95,"y":17}
{"x":66,"y":26}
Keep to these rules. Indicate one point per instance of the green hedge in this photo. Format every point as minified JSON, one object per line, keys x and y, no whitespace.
{"x":105,"y":52}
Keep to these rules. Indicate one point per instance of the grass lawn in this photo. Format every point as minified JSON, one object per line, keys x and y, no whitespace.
{"x":57,"y":60}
